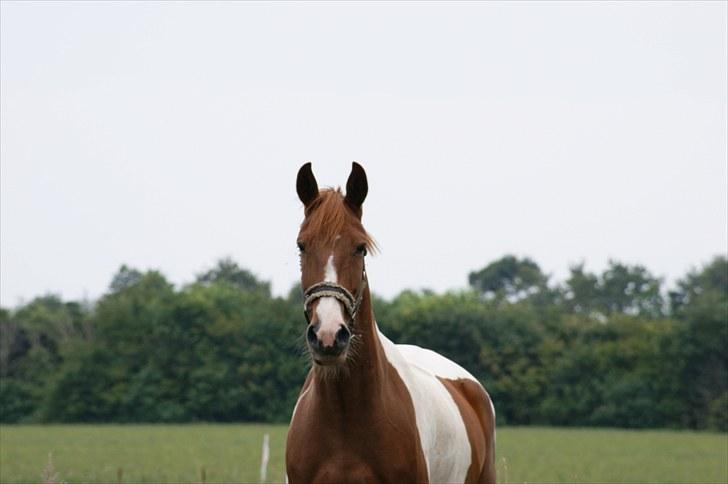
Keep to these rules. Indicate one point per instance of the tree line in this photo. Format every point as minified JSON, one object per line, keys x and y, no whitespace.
{"x":614,"y":348}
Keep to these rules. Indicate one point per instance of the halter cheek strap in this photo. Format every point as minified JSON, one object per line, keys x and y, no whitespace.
{"x":330,"y":289}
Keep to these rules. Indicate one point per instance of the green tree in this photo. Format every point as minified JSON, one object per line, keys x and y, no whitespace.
{"x":620,"y":289}
{"x":228,"y":271}
{"x":510,"y":278}
{"x":701,"y":304}
{"x":223,"y":349}
{"x":33,"y":343}
{"x":630,"y":290}
{"x":100,"y":381}
{"x":712,"y":278}
{"x":124,"y":278}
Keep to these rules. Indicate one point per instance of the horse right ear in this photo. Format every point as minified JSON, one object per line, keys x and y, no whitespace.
{"x":306,"y":185}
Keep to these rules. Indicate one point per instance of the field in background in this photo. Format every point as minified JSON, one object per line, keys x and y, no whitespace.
{"x":231,"y":453}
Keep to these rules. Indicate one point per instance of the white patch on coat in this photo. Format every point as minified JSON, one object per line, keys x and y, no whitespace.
{"x":439,"y":366}
{"x":329,"y":311}
{"x":435,"y":363}
{"x":443,"y":436}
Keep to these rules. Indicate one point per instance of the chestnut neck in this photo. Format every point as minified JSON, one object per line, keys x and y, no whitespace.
{"x":364,"y":373}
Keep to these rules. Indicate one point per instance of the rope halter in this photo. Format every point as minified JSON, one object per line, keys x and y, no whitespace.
{"x":331,"y":289}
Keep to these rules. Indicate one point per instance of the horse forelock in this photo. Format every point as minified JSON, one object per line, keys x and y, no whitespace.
{"x":328,"y":216}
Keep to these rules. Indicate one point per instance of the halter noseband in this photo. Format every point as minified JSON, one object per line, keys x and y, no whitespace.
{"x":331,"y":289}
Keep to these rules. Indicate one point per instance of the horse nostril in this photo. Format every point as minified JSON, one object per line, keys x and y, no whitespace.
{"x":343,"y":335}
{"x":311,"y":335}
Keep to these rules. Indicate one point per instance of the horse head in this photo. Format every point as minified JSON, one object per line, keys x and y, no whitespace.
{"x":333,"y":245}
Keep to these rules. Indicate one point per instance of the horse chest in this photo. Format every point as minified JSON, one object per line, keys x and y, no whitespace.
{"x":348,"y":467}
{"x":371,"y":447}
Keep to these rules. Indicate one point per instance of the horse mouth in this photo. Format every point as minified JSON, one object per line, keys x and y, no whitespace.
{"x":329,"y":360}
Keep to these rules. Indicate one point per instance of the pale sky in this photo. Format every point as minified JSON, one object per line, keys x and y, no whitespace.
{"x":169,"y":135}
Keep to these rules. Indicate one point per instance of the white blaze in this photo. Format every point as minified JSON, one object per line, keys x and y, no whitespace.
{"x":328,"y":311}
{"x":330,"y":271}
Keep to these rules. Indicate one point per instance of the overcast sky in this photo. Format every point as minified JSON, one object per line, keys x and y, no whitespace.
{"x":169,"y":135}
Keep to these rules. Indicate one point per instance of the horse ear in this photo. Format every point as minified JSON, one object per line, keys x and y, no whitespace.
{"x":306,"y":185}
{"x":356,"y":187}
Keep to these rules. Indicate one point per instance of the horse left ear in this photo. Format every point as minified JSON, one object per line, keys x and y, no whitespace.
{"x":356,"y":187}
{"x":306,"y":185}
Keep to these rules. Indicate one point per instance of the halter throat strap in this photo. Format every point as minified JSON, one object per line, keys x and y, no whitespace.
{"x":330,"y":289}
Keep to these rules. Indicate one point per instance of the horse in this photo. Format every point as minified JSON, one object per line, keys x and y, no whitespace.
{"x":371,"y":410}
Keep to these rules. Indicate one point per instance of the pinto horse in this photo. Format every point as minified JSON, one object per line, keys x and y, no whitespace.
{"x":371,"y":410}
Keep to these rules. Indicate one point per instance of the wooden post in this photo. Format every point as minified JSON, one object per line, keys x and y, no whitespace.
{"x":265,"y":455}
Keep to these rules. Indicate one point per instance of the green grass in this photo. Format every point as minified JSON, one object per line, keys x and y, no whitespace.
{"x":609,"y":455}
{"x":145,"y":453}
{"x":231,"y":453}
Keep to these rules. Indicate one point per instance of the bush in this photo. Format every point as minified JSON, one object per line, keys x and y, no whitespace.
{"x":718,"y":413}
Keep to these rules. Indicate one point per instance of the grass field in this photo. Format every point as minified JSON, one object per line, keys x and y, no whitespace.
{"x":231,"y":453}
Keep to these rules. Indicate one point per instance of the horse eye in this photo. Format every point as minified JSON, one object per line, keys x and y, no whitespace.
{"x":301,"y":246}
{"x":361,"y":249}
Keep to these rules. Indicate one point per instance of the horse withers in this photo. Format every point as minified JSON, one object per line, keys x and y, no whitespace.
{"x":371,"y":410}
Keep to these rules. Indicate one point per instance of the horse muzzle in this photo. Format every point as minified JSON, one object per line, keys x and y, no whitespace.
{"x":328,"y":346}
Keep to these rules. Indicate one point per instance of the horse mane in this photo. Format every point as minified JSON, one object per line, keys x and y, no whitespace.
{"x":328,"y":215}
